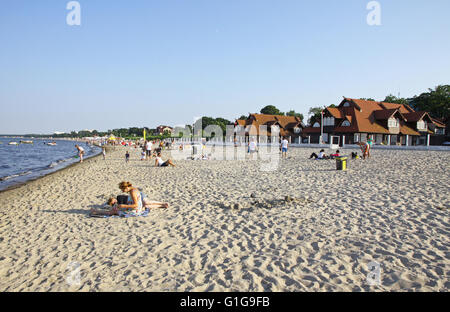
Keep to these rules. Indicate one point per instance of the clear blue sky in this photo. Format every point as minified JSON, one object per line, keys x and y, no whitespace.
{"x":151,"y":62}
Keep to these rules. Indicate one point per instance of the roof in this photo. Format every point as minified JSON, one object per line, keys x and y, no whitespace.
{"x":438,"y":122}
{"x":404,"y":129}
{"x":367,"y":116}
{"x":286,"y":123}
{"x":384,"y":114}
{"x":416,"y":116}
{"x":335,"y":112}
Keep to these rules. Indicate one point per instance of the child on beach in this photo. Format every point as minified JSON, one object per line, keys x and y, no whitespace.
{"x":143,"y":155}
{"x":127,"y":156}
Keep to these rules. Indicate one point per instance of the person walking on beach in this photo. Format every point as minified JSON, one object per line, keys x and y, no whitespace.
{"x":148,"y":149}
{"x":284,"y":147}
{"x":252,"y":147}
{"x":104,"y":152}
{"x":127,"y":156}
{"x":80,"y":152}
{"x":370,"y":142}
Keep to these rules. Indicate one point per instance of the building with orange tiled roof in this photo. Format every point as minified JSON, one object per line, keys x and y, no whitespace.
{"x":260,"y":126}
{"x":388,"y":123}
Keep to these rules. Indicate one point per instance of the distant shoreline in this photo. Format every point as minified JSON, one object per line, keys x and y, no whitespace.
{"x":19,"y":184}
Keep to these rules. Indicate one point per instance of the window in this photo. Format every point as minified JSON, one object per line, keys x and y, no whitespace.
{"x":316,"y":125}
{"x":421,"y":125}
{"x":346,"y":123}
{"x":393,"y":123}
{"x":440,"y":131}
{"x":328,"y":121}
{"x":346,"y":104}
{"x":297,"y":130}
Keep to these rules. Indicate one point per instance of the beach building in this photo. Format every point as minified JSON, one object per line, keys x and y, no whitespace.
{"x":160,"y":130}
{"x":388,"y":123}
{"x":268,"y":128}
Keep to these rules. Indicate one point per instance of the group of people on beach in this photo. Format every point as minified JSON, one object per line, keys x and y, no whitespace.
{"x":364,"y":146}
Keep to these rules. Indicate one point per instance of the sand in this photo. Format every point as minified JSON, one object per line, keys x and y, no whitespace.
{"x":392,"y":209}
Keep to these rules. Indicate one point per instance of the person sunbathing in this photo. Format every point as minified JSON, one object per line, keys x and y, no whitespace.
{"x":320,"y":156}
{"x":136,"y":204}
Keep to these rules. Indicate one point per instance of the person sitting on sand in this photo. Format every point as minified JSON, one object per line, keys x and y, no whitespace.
{"x":161,"y":163}
{"x":337,"y":154}
{"x":320,"y":156}
{"x":136,"y":203}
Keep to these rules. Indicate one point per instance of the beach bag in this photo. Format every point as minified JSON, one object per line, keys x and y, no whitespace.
{"x":122,"y":199}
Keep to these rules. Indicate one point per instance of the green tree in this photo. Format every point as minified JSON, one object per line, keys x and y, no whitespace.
{"x":393,"y":99}
{"x":293,"y":113}
{"x":367,"y":99}
{"x":271,"y":110}
{"x":436,"y":102}
{"x":243,"y":117}
{"x":314,"y":113}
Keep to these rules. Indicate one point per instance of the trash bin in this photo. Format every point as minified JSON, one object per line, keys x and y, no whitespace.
{"x":341,"y":163}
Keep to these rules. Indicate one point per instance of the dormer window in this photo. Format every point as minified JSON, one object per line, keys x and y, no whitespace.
{"x":316,"y":125}
{"x":421,"y":125}
{"x":346,"y":123}
{"x":393,"y":123}
{"x":346,"y":104}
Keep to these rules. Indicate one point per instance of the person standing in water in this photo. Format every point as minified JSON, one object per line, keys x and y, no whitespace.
{"x":80,"y":152}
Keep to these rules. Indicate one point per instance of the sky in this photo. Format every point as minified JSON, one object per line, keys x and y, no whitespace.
{"x":165,"y":62}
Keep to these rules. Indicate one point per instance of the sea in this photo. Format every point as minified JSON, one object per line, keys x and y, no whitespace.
{"x":23,"y":162}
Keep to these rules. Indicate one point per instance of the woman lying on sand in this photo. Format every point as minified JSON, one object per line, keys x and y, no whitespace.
{"x":136,"y":203}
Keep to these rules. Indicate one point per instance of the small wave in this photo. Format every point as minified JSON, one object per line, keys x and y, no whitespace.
{"x":4,"y":167}
{"x":14,"y":176}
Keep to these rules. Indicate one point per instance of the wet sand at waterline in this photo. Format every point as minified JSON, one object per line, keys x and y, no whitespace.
{"x":392,"y":209}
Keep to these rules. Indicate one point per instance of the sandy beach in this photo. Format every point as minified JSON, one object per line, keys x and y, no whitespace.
{"x":392,"y":209}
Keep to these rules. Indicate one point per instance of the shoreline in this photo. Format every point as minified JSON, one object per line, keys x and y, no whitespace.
{"x":24,"y":183}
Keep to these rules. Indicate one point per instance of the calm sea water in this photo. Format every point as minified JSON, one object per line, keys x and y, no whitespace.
{"x":23,"y":162}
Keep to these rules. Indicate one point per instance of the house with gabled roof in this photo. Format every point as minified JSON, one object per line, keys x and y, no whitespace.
{"x":388,"y":123}
{"x":262,"y":126}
